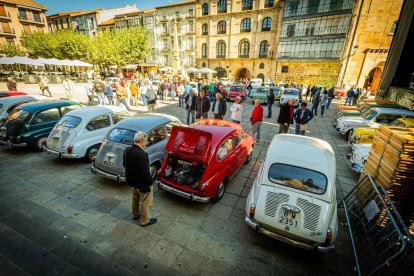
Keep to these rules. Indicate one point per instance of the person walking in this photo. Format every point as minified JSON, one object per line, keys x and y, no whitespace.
{"x":138,"y":177}
{"x":355,"y":97}
{"x":109,"y":93}
{"x":121,"y":96}
{"x":44,"y":85}
{"x":11,"y":84}
{"x":285,"y":118}
{"x":190,"y":104}
{"x":219,"y":107}
{"x":312,"y":92}
{"x":180,"y":92}
{"x":143,"y":92}
{"x":69,"y":87}
{"x":324,"y":100}
{"x":172,"y":89}
{"x":270,"y":102}
{"x":308,"y":91}
{"x":331,"y":95}
{"x":236,"y":111}
{"x":202,"y":106}
{"x":99,"y":89}
{"x":134,"y":93}
{"x":315,"y":102}
{"x":151,"y":97}
{"x":211,"y":91}
{"x":349,"y":96}
{"x":302,"y":117}
{"x":256,"y":121}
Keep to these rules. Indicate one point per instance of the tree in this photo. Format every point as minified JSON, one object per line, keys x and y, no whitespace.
{"x":40,"y":45}
{"x":11,"y":50}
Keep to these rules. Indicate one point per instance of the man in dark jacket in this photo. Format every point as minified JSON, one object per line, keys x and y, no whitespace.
{"x":349,"y":96}
{"x":202,"y":106}
{"x":270,"y":102}
{"x":190,"y":103}
{"x":286,"y":116}
{"x":331,"y":95}
{"x":219,"y":107}
{"x":302,"y":118}
{"x":315,"y":101}
{"x":138,"y":176}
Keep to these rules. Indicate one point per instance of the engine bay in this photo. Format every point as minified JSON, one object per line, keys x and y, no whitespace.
{"x":184,"y":172}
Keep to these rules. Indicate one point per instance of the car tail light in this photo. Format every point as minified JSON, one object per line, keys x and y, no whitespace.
{"x":252,"y":210}
{"x":69,"y":149}
{"x":328,"y":239}
{"x":202,"y":186}
{"x":93,"y":159}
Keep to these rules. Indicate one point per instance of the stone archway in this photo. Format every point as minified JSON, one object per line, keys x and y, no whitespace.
{"x":373,"y":79}
{"x":221,"y":72}
{"x":243,"y":74}
{"x":261,"y":76}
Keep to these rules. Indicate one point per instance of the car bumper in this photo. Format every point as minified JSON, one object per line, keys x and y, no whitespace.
{"x":355,"y":166}
{"x":63,"y":155}
{"x":118,"y":178}
{"x":340,"y":130}
{"x":315,"y":247}
{"x":189,"y":196}
{"x":12,"y":145}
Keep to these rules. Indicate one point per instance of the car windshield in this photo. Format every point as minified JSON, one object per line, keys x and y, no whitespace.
{"x":369,"y":114}
{"x":397,"y":123}
{"x":121,"y":135}
{"x":262,"y":90}
{"x":17,"y":116}
{"x":298,"y":178}
{"x":291,"y":92}
{"x":236,"y":88}
{"x":69,"y":121}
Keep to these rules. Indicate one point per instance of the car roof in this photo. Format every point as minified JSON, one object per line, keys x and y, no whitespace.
{"x":93,"y":111}
{"x":390,"y":110}
{"x":287,"y":89}
{"x":218,"y":128}
{"x":16,"y":99}
{"x":146,"y":121}
{"x":34,"y":106}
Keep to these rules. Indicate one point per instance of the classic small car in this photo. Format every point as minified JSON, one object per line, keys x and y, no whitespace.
{"x":7,"y":104}
{"x":362,"y":103}
{"x":11,"y":93}
{"x":340,"y":93}
{"x":260,"y":93}
{"x":288,"y":94}
{"x":359,"y":155}
{"x":364,"y":106}
{"x":293,"y":199}
{"x":237,"y":91}
{"x":80,"y":132}
{"x":28,"y":125}
{"x":109,"y":158}
{"x":372,"y":118}
{"x":203,"y":157}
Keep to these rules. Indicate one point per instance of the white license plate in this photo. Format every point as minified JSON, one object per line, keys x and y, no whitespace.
{"x":109,"y":161}
{"x":55,"y":140}
{"x":288,"y":218}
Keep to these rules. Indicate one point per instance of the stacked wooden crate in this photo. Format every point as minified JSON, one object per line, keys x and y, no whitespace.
{"x":391,"y":164}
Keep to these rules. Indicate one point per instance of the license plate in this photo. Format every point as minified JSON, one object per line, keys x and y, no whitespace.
{"x":55,"y":140}
{"x":288,"y":218}
{"x":109,"y":161}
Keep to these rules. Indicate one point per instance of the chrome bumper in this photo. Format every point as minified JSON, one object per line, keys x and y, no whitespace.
{"x":189,"y":196}
{"x":118,"y":178}
{"x":355,"y":166}
{"x":12,"y":145}
{"x":62,"y":155}
{"x":259,"y":229}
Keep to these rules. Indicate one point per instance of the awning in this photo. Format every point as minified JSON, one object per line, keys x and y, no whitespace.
{"x":206,"y":70}
{"x":20,"y":60}
{"x":191,"y":70}
{"x":130,"y":66}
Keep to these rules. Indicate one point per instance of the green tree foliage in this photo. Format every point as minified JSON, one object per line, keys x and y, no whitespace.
{"x":11,"y":50}
{"x":41,"y":45}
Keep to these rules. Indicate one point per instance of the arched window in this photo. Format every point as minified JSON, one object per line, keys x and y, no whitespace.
{"x":203,"y":64}
{"x":261,"y":66}
{"x":246,"y":25}
{"x":267,"y":24}
{"x":204,"y":50}
{"x":244,"y":48}
{"x":221,"y":27}
{"x":247,"y":5}
{"x":264,"y":49}
{"x":204,"y":29}
{"x":222,"y":6}
{"x":204,"y":9}
{"x":221,"y":49}
{"x":269,"y":3}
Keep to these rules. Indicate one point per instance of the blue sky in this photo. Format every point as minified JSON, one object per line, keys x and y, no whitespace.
{"x":56,"y":6}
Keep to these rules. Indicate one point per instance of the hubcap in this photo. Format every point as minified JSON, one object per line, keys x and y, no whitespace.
{"x":220,"y":190}
{"x":153,"y":171}
{"x":93,"y":152}
{"x":42,"y":142}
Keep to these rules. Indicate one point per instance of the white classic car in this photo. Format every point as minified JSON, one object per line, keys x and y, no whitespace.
{"x":7,"y":104}
{"x":358,"y":156}
{"x":80,"y":132}
{"x":293,"y":199}
{"x":289,"y":94}
{"x":374,"y":117}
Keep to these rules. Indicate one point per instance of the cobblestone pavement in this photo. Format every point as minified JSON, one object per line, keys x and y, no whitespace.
{"x":56,"y":217}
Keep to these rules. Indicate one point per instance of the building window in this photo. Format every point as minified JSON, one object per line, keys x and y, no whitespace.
{"x":36,"y":16}
{"x":290,"y":30}
{"x":292,"y":8}
{"x":166,"y":59}
{"x":204,"y":9}
{"x":165,"y":44}
{"x":190,"y":12}
{"x":310,"y":28}
{"x":191,"y":60}
{"x":285,"y":69}
{"x":336,"y":5}
{"x":203,"y":64}
{"x":394,"y":26}
{"x":244,"y":48}
{"x":221,"y":49}
{"x":27,"y":29}
{"x":204,"y":29}
{"x":264,"y":49}
{"x":221,"y":27}
{"x":247,"y":5}
{"x":191,"y":25}
{"x":204,"y":50}
{"x":222,"y":6}
{"x":10,"y":40}
{"x":245,"y":25}
{"x":164,"y":28}
{"x":313,"y":6}
{"x":269,"y":3}
{"x":22,"y":14}
{"x":267,"y":24}
{"x":5,"y":28}
{"x":261,"y":66}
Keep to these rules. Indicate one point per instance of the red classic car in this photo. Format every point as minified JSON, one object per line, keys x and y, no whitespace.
{"x":237,"y":90}
{"x":340,"y":93}
{"x":11,"y":93}
{"x":203,"y":157}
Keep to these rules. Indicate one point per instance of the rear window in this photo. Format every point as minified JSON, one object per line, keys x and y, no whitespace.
{"x":369,"y":114}
{"x":291,"y":92}
{"x":17,"y":116}
{"x":236,"y":88}
{"x":298,"y":178}
{"x":261,"y":90}
{"x":69,"y":121}
{"x":123,"y":136}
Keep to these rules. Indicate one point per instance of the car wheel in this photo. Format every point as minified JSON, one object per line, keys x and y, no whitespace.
{"x":249,"y":157}
{"x":220,"y":190}
{"x":153,"y":170}
{"x":40,"y":143}
{"x":91,"y":152}
{"x":348,"y":134}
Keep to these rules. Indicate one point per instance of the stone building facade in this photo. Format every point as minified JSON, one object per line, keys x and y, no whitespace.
{"x":312,"y":39}
{"x":20,"y":16}
{"x":368,"y":42}
{"x":238,"y":39}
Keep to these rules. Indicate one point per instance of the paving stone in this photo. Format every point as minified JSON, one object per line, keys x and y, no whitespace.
{"x":43,"y":197}
{"x":235,"y":186}
{"x":221,"y":211}
{"x":166,"y":252}
{"x":180,"y":234}
{"x":229,"y":199}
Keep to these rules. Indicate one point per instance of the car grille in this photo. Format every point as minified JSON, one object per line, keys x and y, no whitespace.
{"x":273,"y":200}
{"x":311,"y":212}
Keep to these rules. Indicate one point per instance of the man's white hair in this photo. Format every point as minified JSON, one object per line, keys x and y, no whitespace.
{"x":257,"y":101}
{"x":140,"y":137}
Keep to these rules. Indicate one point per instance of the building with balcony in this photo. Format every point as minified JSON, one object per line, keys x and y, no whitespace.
{"x":62,"y":21}
{"x":179,"y":15}
{"x":312,"y":39}
{"x":238,"y":39}
{"x":18,"y":17}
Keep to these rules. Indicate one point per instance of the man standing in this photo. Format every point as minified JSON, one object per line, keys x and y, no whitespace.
{"x":270,"y":102}
{"x":151,"y":97}
{"x":44,"y":85}
{"x":211,"y":91}
{"x":219,"y":107}
{"x":286,"y":116}
{"x":11,"y":84}
{"x":138,"y":177}
{"x":99,"y":89}
{"x":236,"y":111}
{"x":331,"y":95}
{"x":172,"y":89}
{"x":143,"y":91}
{"x":69,"y":87}
{"x":315,"y":101}
{"x":202,"y":106}
{"x":190,"y":103}
{"x":349,"y":96}
{"x":109,"y":92}
{"x":355,"y":97}
{"x":121,"y":95}
{"x":302,"y":118}
{"x":256,"y":120}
